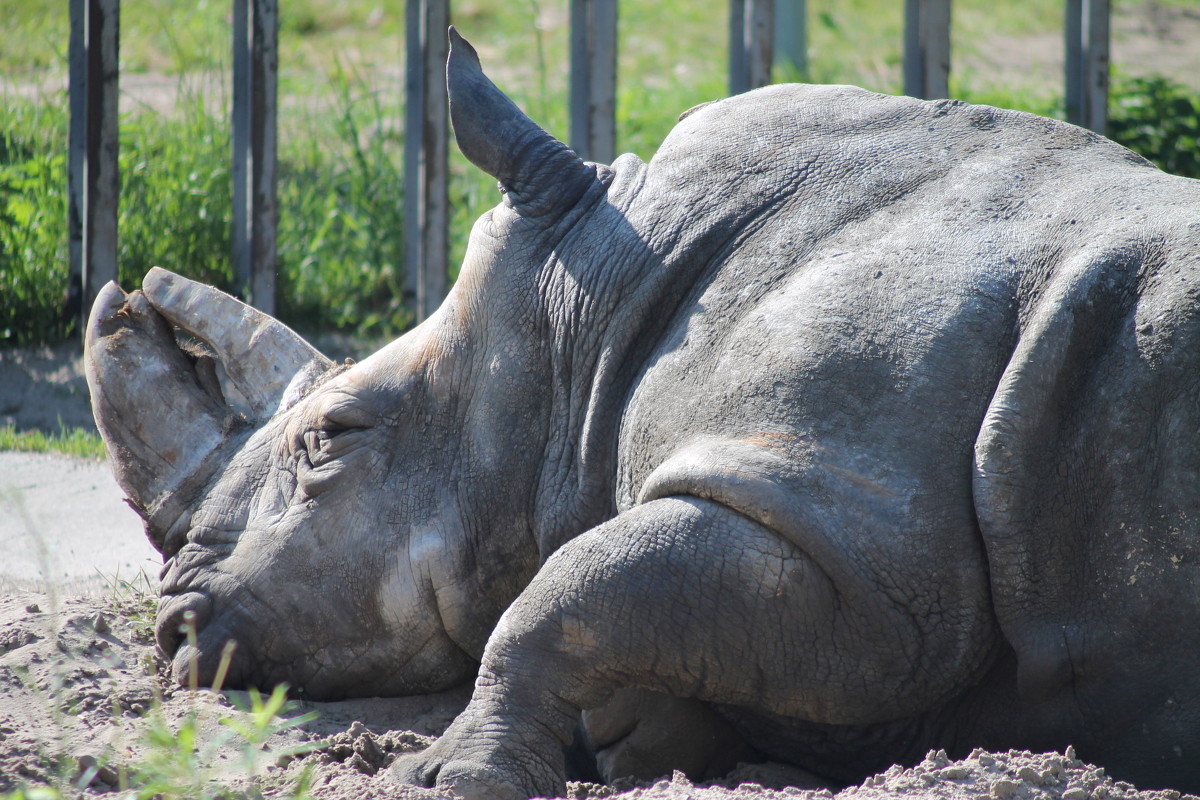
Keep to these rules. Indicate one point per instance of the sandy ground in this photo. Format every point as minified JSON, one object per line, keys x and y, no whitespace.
{"x":63,"y":523}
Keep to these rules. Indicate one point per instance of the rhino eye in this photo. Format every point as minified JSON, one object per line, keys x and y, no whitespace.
{"x":316,"y":443}
{"x":323,"y":445}
{"x":322,"y":461}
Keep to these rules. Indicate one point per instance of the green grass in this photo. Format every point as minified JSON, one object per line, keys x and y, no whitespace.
{"x":340,"y":245}
{"x":76,"y":442}
{"x":135,"y":600}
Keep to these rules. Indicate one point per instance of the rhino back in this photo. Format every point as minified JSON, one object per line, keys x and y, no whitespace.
{"x":876,"y":257}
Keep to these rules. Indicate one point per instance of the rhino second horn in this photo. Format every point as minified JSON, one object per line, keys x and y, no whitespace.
{"x":262,"y":356}
{"x":541,"y":175}
{"x":162,"y":425}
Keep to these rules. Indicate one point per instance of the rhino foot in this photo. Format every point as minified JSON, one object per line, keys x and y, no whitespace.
{"x":480,"y":769}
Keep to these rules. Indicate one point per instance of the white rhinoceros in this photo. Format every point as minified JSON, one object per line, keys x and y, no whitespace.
{"x":859,"y":425}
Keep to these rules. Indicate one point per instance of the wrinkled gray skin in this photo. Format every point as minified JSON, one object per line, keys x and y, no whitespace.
{"x":857,"y":424}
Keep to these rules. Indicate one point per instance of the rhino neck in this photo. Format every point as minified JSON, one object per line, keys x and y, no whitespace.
{"x":609,"y":291}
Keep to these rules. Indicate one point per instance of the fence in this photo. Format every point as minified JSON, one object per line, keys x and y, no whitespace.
{"x":92,"y":176}
{"x":757,"y":29}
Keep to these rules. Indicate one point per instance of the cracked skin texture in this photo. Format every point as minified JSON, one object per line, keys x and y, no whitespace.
{"x":866,"y":423}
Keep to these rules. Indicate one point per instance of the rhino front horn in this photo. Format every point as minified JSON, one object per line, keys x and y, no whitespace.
{"x":161,"y":411}
{"x":262,"y":356}
{"x":160,"y":419}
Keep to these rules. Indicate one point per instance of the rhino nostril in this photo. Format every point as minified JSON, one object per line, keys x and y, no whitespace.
{"x":176,"y":615}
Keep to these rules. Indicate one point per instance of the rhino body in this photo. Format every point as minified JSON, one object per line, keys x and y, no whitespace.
{"x":851,"y":425}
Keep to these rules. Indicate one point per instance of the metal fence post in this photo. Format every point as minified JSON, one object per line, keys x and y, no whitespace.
{"x":1086,"y":30}
{"x":751,"y":26}
{"x":791,"y":33}
{"x":93,"y":177}
{"x":594,"y":79}
{"x":426,"y":153}
{"x":255,"y":71}
{"x":927,"y":48}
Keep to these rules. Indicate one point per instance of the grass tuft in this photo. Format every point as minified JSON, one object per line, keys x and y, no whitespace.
{"x":78,"y":442}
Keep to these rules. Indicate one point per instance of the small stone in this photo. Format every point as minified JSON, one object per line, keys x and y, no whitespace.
{"x":139,"y":709}
{"x":1029,"y":774}
{"x":100,"y":624}
{"x":109,"y":776}
{"x":1075,"y":793}
{"x":88,"y":764}
{"x":1004,"y":789}
{"x":356,"y":729}
{"x":985,"y":759}
{"x":33,"y":608}
{"x":953,"y":772}
{"x":1070,"y":753}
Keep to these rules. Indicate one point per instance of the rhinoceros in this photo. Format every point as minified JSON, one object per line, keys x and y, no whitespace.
{"x":847,"y":427}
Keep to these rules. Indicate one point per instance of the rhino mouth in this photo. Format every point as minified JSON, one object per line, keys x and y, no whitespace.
{"x":203,"y":652}
{"x":207,"y":645}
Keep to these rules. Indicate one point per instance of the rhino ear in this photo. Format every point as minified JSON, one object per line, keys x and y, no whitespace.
{"x":539,"y":174}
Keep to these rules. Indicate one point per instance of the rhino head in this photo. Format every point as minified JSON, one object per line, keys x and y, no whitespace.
{"x":355,"y":529}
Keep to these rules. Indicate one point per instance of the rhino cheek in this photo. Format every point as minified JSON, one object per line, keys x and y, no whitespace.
{"x":406,"y":599}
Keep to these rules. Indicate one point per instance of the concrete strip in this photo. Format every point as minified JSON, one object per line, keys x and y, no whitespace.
{"x":64,"y":526}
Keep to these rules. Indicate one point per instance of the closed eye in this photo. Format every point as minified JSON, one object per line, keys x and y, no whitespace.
{"x":326,"y":444}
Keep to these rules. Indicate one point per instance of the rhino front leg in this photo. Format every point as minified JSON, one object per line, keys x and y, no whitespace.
{"x":687,"y":597}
